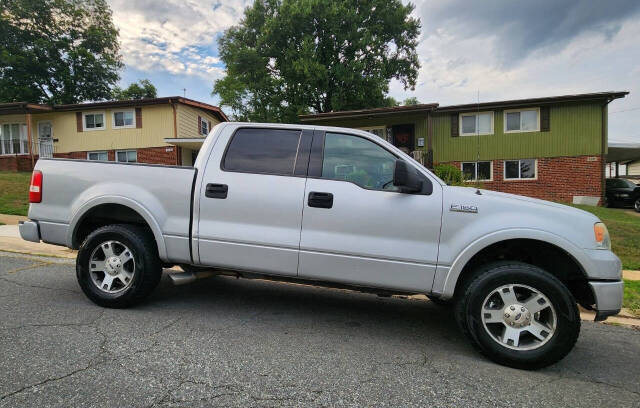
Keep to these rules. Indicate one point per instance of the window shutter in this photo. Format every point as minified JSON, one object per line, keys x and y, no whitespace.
{"x":138,"y":118}
{"x":545,"y":119}
{"x":455,"y":128}
{"x":199,"y":125}
{"x":79,"y":121}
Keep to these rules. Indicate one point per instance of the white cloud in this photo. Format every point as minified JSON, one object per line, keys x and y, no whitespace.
{"x":455,"y":66}
{"x":166,"y":36}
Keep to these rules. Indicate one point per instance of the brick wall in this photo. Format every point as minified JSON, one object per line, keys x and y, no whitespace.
{"x":558,"y":178}
{"x":16,"y":163}
{"x":169,"y":155}
{"x":159,"y":155}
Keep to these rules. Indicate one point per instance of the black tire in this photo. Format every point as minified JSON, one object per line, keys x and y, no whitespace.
{"x":636,"y":205}
{"x":148,"y":267}
{"x":469,"y":304}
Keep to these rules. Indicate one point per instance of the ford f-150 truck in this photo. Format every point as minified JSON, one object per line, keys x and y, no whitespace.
{"x":335,"y":207}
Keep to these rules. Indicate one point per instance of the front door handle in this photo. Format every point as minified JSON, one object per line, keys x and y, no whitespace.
{"x":320,"y":200}
{"x":216,"y":190}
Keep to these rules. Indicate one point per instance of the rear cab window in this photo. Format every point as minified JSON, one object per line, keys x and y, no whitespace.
{"x":263,"y":151}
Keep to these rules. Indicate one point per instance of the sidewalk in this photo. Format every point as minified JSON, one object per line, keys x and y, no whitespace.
{"x":10,"y":241}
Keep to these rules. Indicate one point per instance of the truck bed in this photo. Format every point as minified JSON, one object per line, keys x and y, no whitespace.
{"x":71,"y":187}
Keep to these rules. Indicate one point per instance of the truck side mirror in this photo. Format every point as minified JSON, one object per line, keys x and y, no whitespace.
{"x":405,"y":178}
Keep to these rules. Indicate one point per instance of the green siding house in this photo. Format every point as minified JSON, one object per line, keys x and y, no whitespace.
{"x":552,"y":148}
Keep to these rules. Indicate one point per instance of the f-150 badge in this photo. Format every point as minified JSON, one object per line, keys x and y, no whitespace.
{"x":463,"y":208}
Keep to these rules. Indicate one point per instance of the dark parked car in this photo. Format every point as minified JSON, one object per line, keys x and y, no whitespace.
{"x":623,"y":193}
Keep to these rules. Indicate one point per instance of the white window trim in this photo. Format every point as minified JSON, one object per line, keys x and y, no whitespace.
{"x":98,"y":152}
{"x":478,"y":161}
{"x":20,"y":127}
{"x":461,"y":115}
{"x":113,"y":119}
{"x":504,"y":120}
{"x":126,"y":151}
{"x":383,"y":128}
{"x":84,"y":122}
{"x":504,"y":171}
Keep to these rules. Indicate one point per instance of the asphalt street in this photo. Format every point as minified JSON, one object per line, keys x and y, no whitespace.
{"x":228,"y":342}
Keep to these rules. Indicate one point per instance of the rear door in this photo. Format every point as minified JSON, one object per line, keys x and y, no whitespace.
{"x":357,"y":228}
{"x":251,"y":200}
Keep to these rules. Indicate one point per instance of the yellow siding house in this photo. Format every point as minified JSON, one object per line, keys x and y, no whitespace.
{"x":160,"y":130}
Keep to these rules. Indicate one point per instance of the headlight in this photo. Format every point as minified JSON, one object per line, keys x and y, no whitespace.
{"x":602,"y":236}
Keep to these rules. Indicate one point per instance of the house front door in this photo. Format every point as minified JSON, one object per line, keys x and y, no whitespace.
{"x":403,"y":137}
{"x":45,"y":139}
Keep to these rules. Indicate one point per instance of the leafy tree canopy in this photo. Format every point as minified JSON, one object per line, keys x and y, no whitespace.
{"x":57,"y":51}
{"x":289,"y":57}
{"x":411,"y":101}
{"x":138,"y":90}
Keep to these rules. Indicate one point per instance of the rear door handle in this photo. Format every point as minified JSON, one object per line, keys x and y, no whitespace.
{"x":216,"y":190}
{"x":320,"y":200}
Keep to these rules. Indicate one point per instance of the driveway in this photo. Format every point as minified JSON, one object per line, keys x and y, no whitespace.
{"x":228,"y":342}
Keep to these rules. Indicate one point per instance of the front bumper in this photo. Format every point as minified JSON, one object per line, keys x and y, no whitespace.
{"x":29,"y":231}
{"x":608,"y":298}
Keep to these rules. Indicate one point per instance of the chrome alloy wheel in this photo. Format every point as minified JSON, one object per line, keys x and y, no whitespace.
{"x":636,"y":205}
{"x":112,"y":267}
{"x":519,"y":317}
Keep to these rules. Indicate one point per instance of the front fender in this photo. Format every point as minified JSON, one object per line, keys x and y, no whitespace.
{"x":447,"y":276}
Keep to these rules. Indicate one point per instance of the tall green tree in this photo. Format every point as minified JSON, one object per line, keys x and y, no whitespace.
{"x":289,"y":57}
{"x":138,"y":90}
{"x":57,"y":51}
{"x":412,"y":100}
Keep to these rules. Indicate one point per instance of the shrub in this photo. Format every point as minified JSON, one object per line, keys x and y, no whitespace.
{"x":449,"y":174}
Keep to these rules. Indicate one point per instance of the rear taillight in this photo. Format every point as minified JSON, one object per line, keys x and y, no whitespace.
{"x":35,"y":189}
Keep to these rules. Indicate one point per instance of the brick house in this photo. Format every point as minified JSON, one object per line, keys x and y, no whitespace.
{"x":552,"y":148}
{"x":166,"y":130}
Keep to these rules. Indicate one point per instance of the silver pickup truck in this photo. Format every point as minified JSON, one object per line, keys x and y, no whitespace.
{"x":336,"y":207}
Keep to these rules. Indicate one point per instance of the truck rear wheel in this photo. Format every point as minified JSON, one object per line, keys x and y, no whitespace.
{"x":518,"y":315}
{"x":118,"y":265}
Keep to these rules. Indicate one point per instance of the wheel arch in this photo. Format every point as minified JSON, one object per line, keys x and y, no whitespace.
{"x":575,"y":263}
{"x":113,"y":210}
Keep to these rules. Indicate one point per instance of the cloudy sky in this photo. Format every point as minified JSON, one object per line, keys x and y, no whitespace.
{"x":497,"y":49}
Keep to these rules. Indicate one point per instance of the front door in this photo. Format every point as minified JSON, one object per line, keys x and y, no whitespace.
{"x":45,"y":139}
{"x":251,"y":200}
{"x":357,"y":228}
{"x":403,"y":137}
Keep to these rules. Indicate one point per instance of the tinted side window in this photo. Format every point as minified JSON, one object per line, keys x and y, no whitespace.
{"x":265,"y":151}
{"x":357,"y":160}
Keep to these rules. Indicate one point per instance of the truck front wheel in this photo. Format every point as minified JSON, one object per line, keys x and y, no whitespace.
{"x":518,"y":315}
{"x":118,"y":265}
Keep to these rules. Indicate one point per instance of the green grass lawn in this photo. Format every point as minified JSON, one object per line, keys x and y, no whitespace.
{"x":632,"y":296}
{"x":14,"y":192}
{"x":624,"y":229}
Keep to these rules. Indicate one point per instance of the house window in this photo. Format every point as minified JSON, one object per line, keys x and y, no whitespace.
{"x":13,"y":139}
{"x":524,"y":120}
{"x":520,"y":169}
{"x":127,"y":156}
{"x":124,"y":119}
{"x":477,"y":171}
{"x":479,"y":123}
{"x":378,"y":131}
{"x":98,"y":156}
{"x":93,"y":121}
{"x":204,"y":127}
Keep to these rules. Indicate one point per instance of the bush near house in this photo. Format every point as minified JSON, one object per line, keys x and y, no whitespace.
{"x":14,"y":192}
